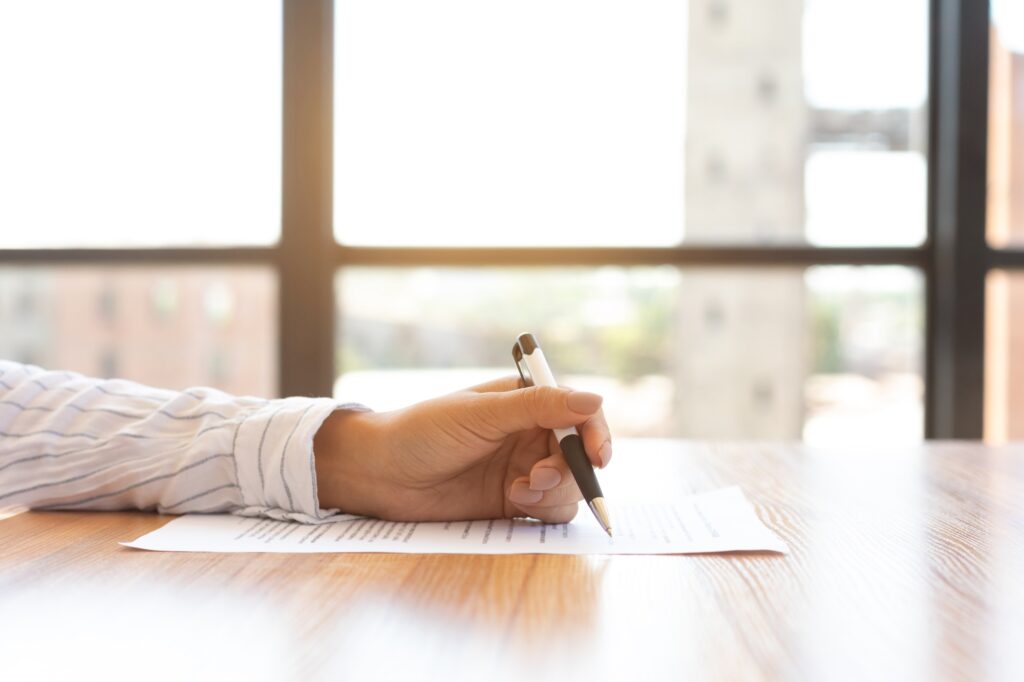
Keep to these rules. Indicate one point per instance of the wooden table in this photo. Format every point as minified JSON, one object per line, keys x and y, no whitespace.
{"x":907,"y":563}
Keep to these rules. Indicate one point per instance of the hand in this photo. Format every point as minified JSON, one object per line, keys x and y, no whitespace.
{"x":485,"y":452}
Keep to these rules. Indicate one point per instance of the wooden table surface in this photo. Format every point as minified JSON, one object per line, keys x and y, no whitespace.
{"x":907,"y":563}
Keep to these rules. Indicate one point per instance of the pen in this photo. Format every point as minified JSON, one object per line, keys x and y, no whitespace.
{"x":528,"y":351}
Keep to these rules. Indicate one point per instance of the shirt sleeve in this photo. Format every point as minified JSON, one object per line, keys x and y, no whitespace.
{"x":71,"y":442}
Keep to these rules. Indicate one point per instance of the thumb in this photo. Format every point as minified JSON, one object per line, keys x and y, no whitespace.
{"x":537,"y":406}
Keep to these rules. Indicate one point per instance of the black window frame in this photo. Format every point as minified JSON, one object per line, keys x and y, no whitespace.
{"x":955,"y":258}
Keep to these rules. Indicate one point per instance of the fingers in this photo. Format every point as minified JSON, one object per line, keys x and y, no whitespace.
{"x":549,"y":473}
{"x":549,"y":514}
{"x":540,"y":407}
{"x":521,"y":495}
{"x":597,"y":440}
{"x":509,"y":412}
{"x":556,"y":505}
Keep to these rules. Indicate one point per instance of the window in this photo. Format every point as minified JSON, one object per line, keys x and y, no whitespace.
{"x":1004,"y":374}
{"x":824,"y":353}
{"x":76,"y":327}
{"x":140,"y":123}
{"x":649,"y":125}
{"x":696,"y":205}
{"x":1006,"y":127}
{"x":630,"y":124}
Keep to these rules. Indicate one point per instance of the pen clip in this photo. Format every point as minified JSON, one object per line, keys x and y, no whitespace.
{"x":517,"y":356}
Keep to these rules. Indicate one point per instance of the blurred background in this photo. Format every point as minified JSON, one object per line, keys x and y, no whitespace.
{"x":470,"y":127}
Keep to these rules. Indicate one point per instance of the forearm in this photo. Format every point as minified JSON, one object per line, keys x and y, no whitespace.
{"x":69,"y":442}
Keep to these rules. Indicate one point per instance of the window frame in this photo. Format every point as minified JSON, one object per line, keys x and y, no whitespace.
{"x":954,"y":259}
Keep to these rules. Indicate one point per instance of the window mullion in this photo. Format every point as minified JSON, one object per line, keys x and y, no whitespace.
{"x":956,"y":284}
{"x":306,"y":263}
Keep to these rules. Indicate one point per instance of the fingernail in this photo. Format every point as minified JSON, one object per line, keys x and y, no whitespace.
{"x":605,"y":453}
{"x":583,"y":402}
{"x":544,"y":478}
{"x":521,"y":494}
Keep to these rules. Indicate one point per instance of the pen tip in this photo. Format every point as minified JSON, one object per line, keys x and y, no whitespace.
{"x":601,"y":512}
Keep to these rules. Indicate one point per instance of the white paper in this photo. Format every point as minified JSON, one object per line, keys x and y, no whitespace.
{"x":719,"y":521}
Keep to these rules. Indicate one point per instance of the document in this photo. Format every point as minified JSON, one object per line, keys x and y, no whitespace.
{"x":719,"y":521}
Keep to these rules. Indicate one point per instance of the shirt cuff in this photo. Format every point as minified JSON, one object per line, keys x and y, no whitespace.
{"x":274,"y":459}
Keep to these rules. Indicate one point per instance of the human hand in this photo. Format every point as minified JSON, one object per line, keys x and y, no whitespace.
{"x":485,"y":452}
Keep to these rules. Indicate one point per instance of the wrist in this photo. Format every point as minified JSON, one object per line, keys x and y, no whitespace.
{"x":347,"y":454}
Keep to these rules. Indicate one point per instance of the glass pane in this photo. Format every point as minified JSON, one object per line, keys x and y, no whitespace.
{"x":824,"y":354}
{"x":1004,"y":357}
{"x":866,"y":331}
{"x":171,"y":327}
{"x":1006,"y":125}
{"x":140,"y":123}
{"x":573,"y":122}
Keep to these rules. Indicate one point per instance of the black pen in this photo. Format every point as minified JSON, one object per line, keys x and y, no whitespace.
{"x":537,"y":372}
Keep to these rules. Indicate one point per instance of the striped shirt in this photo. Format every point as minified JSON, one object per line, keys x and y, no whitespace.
{"x":71,"y":442}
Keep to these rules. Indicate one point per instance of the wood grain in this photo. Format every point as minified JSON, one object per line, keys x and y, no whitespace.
{"x":907,"y":563}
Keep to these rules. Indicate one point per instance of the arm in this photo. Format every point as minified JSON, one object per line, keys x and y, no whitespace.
{"x":70,"y":442}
